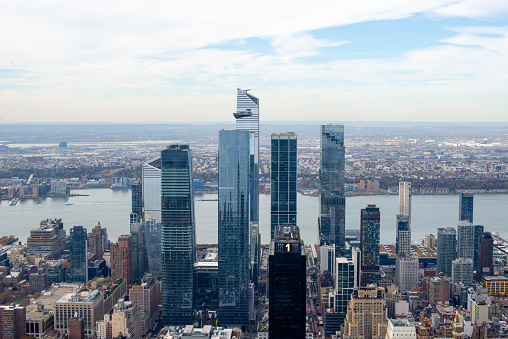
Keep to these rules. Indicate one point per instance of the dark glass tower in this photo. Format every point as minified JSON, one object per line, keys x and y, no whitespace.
{"x":283,"y":180}
{"x":233,"y":226}
{"x":369,"y":244}
{"x":78,"y":255}
{"x":137,"y":203}
{"x":178,"y":235}
{"x":466,"y":207}
{"x":478,"y":231}
{"x":332,"y":201}
{"x":287,"y":284}
{"x":485,"y":256}
{"x":446,"y":250}
{"x":403,"y":239}
{"x":153,"y":247}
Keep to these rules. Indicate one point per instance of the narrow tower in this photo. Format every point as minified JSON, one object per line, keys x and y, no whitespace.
{"x":332,"y":201}
{"x":283,"y":180}
{"x":178,"y":235}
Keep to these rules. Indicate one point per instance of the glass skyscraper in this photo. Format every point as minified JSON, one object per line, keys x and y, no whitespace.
{"x":287,"y":284}
{"x":233,"y":227}
{"x":178,"y":235}
{"x":283,"y":180}
{"x":369,"y":244}
{"x":151,"y":174}
{"x":137,"y":203}
{"x":78,"y":255}
{"x":247,"y":119}
{"x":332,"y":200}
{"x":446,"y":250}
{"x":153,"y":247}
{"x":466,"y":201}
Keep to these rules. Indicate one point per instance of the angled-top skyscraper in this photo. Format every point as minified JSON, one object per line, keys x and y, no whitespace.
{"x":247,"y":119}
{"x":178,"y":235}
{"x":233,"y":227}
{"x":333,"y":203}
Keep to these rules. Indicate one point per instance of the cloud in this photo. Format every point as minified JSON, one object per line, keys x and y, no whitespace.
{"x":157,"y":57}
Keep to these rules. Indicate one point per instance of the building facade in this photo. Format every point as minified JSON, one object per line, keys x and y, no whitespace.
{"x":332,"y":201}
{"x":97,"y":242}
{"x":247,"y":119}
{"x":137,"y":203}
{"x":406,"y":271}
{"x":49,"y":240}
{"x":283,"y":163}
{"x":233,"y":227}
{"x":178,"y":235}
{"x":78,"y":255}
{"x":369,"y":244}
{"x":121,"y":259}
{"x":12,"y":322}
{"x":446,"y":250}
{"x":462,"y":271}
{"x":485,"y":256}
{"x":287,"y":284}
{"x":465,"y":240}
{"x":366,"y":316}
{"x":466,"y":201}
{"x":151,"y":186}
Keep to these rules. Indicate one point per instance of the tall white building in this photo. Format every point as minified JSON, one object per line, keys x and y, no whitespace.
{"x":151,"y":177}
{"x":403,"y":223}
{"x":400,"y":329}
{"x":405,"y":198}
{"x":406,"y":272}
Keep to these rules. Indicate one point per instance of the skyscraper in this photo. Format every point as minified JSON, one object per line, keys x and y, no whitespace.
{"x":403,"y":240}
{"x":446,"y":250}
{"x":405,"y":198}
{"x":462,"y":271}
{"x":366,"y":315}
{"x":283,"y":179}
{"x":121,"y":259}
{"x":466,"y":206}
{"x":247,"y":119}
{"x":78,"y":255}
{"x":178,"y":235}
{"x":403,"y":237}
{"x":233,"y":227}
{"x":478,"y":231}
{"x":98,"y":242}
{"x":485,"y":256}
{"x":151,"y":186}
{"x":406,"y":271}
{"x":139,"y":254}
{"x":153,"y":247}
{"x":137,"y":203}
{"x":344,"y":286}
{"x":465,"y":240}
{"x":287,"y":284}
{"x":369,"y":244}
{"x":332,"y":201}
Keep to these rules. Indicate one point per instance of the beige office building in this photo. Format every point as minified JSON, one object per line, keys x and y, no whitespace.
{"x":86,"y":305}
{"x":366,"y":315}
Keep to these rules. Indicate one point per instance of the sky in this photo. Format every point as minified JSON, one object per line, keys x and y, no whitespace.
{"x":182,"y":61}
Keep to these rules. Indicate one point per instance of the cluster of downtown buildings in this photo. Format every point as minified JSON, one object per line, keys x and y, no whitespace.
{"x":356,"y":294}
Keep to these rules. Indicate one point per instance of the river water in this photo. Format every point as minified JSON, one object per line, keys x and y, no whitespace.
{"x":112,"y":207}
